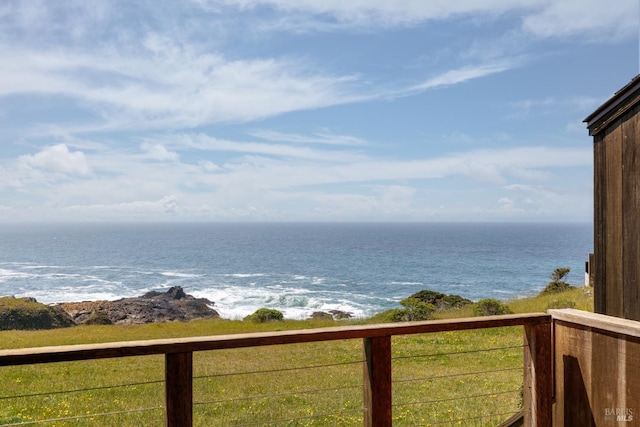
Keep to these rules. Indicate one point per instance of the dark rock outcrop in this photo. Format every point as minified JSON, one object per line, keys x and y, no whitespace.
{"x":152,"y":307}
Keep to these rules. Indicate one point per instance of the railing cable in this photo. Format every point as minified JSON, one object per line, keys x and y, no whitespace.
{"x":77,"y":390}
{"x":457,"y":352}
{"x":268,"y":396}
{"x":473,"y":396}
{"x":461,"y":374}
{"x":229,"y":374}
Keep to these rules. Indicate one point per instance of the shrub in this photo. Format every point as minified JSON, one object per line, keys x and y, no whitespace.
{"x":264,"y":315}
{"x":557,"y":283}
{"x":428,"y":296}
{"x":490,"y":307}
{"x":559,"y":274}
{"x":414,"y":309}
{"x":556,"y":287}
{"x":441,"y":301}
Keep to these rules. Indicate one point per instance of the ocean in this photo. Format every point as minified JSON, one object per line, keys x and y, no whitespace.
{"x":297,"y":268}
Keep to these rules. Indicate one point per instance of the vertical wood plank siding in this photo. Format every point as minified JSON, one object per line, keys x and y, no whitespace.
{"x":599,"y":266}
{"x":630,"y":214}
{"x":613,"y":218}
{"x":615,"y":127}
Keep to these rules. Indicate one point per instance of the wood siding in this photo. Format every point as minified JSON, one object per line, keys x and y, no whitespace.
{"x":616,"y":269}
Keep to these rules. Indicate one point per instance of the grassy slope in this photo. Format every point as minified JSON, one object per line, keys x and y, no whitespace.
{"x":432,"y":375}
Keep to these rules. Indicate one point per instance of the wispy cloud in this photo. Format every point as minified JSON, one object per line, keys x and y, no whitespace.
{"x":541,"y":18}
{"x":551,"y":105}
{"x":379,"y":12}
{"x":598,"y":20}
{"x":179,"y":89}
{"x":464,"y":74}
{"x":324,"y":137}
{"x":205,"y":142}
{"x":138,"y":110}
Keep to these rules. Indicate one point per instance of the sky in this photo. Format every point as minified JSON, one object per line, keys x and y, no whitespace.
{"x":306,"y":110}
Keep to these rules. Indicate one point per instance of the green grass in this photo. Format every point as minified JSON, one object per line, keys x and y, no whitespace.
{"x":436,"y":376}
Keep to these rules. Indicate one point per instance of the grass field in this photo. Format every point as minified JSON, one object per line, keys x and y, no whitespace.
{"x":470,"y":378}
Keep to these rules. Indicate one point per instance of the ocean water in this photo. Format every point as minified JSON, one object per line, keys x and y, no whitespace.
{"x":296,"y":268}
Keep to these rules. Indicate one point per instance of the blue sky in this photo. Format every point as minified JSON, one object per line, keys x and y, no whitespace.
{"x":305,"y":110}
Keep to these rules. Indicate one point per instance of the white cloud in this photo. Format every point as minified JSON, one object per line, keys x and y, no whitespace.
{"x":551,"y":105}
{"x":166,"y":205}
{"x":382,"y":12}
{"x":542,"y":18}
{"x":464,"y":74}
{"x":209,"y":166}
{"x":324,"y":137}
{"x":158,"y":152}
{"x":161,"y":74}
{"x":484,"y":165}
{"x":58,"y":159}
{"x":207,"y":143}
{"x":173,"y":86}
{"x":507,"y":205}
{"x":600,"y":20}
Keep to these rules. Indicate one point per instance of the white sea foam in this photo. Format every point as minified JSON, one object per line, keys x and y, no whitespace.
{"x":43,"y":267}
{"x":12,"y":274}
{"x":244,"y":275}
{"x":235,"y":302}
{"x":180,"y":275}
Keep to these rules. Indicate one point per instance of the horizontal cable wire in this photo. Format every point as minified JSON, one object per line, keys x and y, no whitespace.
{"x":268,"y":396}
{"x":462,"y":374}
{"x":279,"y":370}
{"x":80,"y":417}
{"x":77,"y":390}
{"x":473,"y":396}
{"x":457,"y":352}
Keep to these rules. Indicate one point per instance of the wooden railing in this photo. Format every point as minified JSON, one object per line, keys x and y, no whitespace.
{"x":538,"y":386}
{"x":596,"y":369}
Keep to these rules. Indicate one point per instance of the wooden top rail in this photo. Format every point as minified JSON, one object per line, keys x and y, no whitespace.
{"x":68,"y":353}
{"x":597,"y":321}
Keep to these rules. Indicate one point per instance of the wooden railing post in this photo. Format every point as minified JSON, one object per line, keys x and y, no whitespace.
{"x":538,"y":375}
{"x":377,"y":382}
{"x":179,"y":389}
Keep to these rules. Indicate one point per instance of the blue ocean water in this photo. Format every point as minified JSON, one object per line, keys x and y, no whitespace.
{"x":298,"y":268}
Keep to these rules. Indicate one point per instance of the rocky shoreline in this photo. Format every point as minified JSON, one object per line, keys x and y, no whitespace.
{"x":152,"y":307}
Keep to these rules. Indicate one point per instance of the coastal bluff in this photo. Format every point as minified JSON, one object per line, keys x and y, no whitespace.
{"x":152,"y":307}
